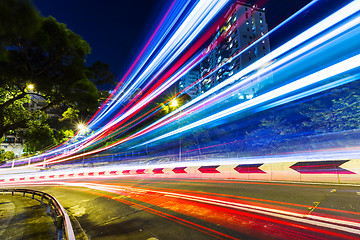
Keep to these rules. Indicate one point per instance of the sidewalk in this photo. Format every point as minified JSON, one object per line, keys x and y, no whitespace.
{"x":24,"y":218}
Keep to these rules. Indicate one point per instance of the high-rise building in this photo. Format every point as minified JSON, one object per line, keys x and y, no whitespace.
{"x":189,"y":78}
{"x":243,"y":24}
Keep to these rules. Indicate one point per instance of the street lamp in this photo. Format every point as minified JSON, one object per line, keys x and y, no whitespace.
{"x":30,"y":87}
{"x":81,"y":126}
{"x":174,"y":103}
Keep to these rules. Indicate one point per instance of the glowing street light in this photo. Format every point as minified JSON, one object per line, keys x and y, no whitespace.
{"x":30,"y":87}
{"x":174,"y":103}
{"x":81,"y":126}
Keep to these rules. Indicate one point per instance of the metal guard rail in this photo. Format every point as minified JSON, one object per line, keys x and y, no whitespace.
{"x":62,"y":219}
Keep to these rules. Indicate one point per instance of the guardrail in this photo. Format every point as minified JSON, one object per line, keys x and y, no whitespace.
{"x":54,"y":208}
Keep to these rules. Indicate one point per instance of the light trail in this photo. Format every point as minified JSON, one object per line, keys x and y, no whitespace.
{"x":321,"y":75}
{"x":299,"y":217}
{"x":317,"y":29}
{"x":163,"y":48}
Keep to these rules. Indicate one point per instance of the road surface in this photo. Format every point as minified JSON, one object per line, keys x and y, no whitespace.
{"x":208,"y":209}
{"x":24,"y":218}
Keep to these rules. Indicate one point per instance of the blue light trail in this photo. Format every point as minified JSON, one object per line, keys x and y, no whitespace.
{"x":330,"y":46}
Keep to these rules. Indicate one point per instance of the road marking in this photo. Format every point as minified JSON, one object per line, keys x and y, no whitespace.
{"x":337,"y":224}
{"x":317,"y":203}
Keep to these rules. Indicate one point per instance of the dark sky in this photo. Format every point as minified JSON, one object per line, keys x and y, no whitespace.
{"x":117,"y":29}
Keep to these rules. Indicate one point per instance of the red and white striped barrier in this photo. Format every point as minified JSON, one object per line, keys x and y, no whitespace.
{"x":332,"y":171}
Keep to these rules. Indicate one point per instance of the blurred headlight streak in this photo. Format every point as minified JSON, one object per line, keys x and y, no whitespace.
{"x":158,"y":67}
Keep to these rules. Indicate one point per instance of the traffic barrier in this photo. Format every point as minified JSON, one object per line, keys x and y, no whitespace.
{"x":54,"y":208}
{"x":330,"y":171}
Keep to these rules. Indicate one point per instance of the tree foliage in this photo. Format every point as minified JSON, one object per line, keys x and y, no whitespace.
{"x":45,"y":54}
{"x":100,"y":74}
{"x":39,"y":134}
{"x":339,"y":113}
{"x":70,"y":114}
{"x":39,"y":51}
{"x":4,"y":156}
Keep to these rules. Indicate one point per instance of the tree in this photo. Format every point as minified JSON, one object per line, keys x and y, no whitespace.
{"x":71,"y":114}
{"x":39,"y":135}
{"x":338,"y":111}
{"x":100,"y":74}
{"x":271,"y":133}
{"x":42,"y":52}
{"x":4,"y":156}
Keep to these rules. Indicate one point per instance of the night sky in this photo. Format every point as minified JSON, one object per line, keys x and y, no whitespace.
{"x":116,"y":29}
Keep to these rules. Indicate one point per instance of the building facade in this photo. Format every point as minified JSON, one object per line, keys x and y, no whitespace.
{"x":188,"y":79}
{"x":243,"y":25}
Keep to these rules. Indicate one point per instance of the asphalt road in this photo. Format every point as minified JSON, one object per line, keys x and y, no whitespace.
{"x":208,"y":209}
{"x":24,"y":218}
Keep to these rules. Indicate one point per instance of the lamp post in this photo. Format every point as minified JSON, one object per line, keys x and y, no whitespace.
{"x":174,"y":104}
